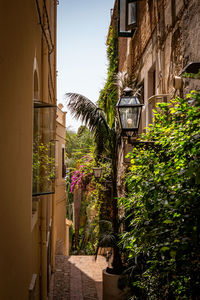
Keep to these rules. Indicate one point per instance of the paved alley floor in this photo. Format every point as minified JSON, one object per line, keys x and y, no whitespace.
{"x":77,"y":278}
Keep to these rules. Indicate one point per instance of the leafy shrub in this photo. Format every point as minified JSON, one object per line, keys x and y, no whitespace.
{"x":162,"y":236}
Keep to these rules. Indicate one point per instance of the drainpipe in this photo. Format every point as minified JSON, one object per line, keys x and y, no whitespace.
{"x":55,"y":49}
{"x":44,"y":247}
{"x":44,"y":198}
{"x":53,"y":244}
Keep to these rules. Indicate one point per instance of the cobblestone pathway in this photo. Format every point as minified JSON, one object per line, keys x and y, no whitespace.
{"x":77,"y":278}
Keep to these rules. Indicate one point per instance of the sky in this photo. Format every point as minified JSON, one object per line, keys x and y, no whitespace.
{"x":82,"y":28}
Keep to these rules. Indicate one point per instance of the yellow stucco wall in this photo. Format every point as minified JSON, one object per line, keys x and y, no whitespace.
{"x":60,"y":194}
{"x":20,"y":254}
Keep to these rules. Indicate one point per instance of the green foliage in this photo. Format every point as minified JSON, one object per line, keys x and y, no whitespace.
{"x":80,"y":162}
{"x":93,"y":117}
{"x":162,"y":236}
{"x":191,"y":75}
{"x":83,"y":177}
{"x":92,"y":191}
{"x":108,"y":95}
{"x":106,"y":146}
{"x":77,"y":145}
{"x":43,"y":165}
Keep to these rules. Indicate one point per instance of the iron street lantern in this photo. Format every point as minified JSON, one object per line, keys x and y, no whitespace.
{"x":97,"y":172}
{"x":129,"y":111}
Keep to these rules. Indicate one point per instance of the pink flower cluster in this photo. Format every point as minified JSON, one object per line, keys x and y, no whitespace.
{"x":76,"y":179}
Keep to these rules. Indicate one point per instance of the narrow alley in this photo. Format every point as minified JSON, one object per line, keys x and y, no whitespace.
{"x":100,"y":149}
{"x":77,"y":278}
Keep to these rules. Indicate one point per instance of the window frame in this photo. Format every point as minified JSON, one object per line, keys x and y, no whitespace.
{"x":63,"y":163}
{"x":131,"y":26}
{"x":126,"y":33}
{"x":42,"y":105}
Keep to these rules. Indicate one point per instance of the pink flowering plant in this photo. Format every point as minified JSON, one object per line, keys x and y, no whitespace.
{"x":82,"y":173}
{"x":93,"y":197}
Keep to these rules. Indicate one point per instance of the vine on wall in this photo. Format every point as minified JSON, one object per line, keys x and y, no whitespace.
{"x":108,"y":95}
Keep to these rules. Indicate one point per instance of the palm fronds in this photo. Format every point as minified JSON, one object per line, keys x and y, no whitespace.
{"x":92,"y":116}
{"x":86,"y":111}
{"x":123,"y":80}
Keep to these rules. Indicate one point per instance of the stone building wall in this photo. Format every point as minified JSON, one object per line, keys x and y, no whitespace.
{"x":166,"y":39}
{"x":170,"y":42}
{"x":60,"y":189}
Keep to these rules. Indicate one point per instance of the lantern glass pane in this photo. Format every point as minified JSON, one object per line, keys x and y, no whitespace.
{"x":97,"y":172}
{"x":129,"y":101}
{"x":130,"y":117}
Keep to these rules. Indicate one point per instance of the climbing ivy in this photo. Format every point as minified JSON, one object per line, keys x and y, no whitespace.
{"x":108,"y":95}
{"x":162,"y":236}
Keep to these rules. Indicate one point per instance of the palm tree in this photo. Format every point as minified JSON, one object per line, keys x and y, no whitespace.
{"x":106,"y":143}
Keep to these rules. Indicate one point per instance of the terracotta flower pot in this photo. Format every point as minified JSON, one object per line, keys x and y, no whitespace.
{"x":110,"y":287}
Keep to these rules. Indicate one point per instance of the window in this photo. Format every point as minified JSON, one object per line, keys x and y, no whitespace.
{"x":152,"y":81}
{"x":151,"y":94}
{"x":143,"y":116}
{"x":43,"y":148}
{"x":173,"y":9}
{"x":63,"y":163}
{"x":131,"y":14}
{"x":127,"y":17}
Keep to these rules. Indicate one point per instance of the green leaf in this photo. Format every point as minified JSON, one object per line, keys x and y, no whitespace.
{"x":176,"y":215}
{"x":168,"y":222}
{"x":165,"y":248}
